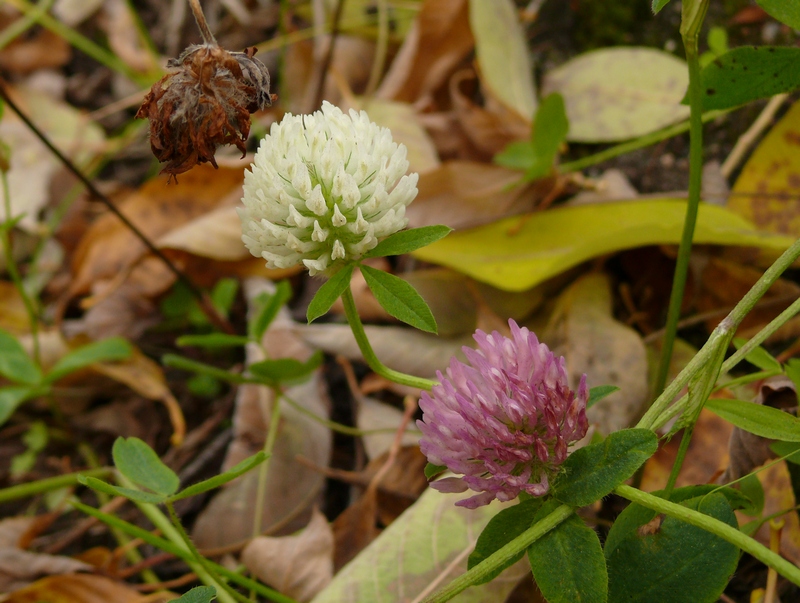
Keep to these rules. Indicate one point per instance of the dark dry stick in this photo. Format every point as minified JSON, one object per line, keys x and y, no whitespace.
{"x":337,"y":17}
{"x":202,"y":298}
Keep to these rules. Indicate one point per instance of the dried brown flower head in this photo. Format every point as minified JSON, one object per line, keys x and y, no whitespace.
{"x":204,"y":101}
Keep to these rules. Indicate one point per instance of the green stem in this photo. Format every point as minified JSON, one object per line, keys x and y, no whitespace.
{"x":695,"y":182}
{"x":714,"y":526}
{"x":160,"y":521}
{"x":20,"y":26}
{"x":369,"y":354}
{"x":181,"y":553}
{"x":652,"y":418}
{"x":502,"y":556}
{"x":49,"y":484}
{"x":633,"y":145}
{"x":80,"y":42}
{"x":13,"y":271}
{"x":202,"y":561}
{"x":263,"y":470}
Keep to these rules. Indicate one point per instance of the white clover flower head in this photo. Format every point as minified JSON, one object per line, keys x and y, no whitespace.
{"x":323,"y":190}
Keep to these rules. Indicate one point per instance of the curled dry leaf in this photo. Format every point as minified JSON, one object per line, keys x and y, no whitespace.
{"x":204,"y":101}
{"x":299,"y":566}
{"x":75,"y":588}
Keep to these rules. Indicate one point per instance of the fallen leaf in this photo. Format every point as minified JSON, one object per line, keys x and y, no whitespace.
{"x":355,"y":528}
{"x":767,"y":191}
{"x":19,"y":567}
{"x":583,"y":329}
{"x":402,"y":120}
{"x":77,"y":588}
{"x":374,"y":414}
{"x":620,"y":93}
{"x":32,"y":164}
{"x":464,"y":194}
{"x":437,"y":43}
{"x":503,"y":56}
{"x":427,"y":546}
{"x":398,"y":348}
{"x":298,"y":566}
{"x":39,"y":48}
{"x":291,"y":487}
{"x":518,"y":253}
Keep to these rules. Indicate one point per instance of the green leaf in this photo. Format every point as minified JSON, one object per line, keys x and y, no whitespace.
{"x":792,"y":370}
{"x":11,"y":397}
{"x":568,"y":564}
{"x":204,"y":386}
{"x":329,"y":293}
{"x":407,"y":241}
{"x":106,"y":350}
{"x":285,"y":370}
{"x":129,"y":493}
{"x":212,"y":340}
{"x":223,"y":294}
{"x":199,"y":594}
{"x":668,"y":560}
{"x":432,"y":470}
{"x":550,"y":128}
{"x":593,"y":471}
{"x":502,"y":529}
{"x":223,"y":478}
{"x":789,"y":450}
{"x":140,"y":464}
{"x":751,"y":488}
{"x":749,"y":73}
{"x":515,"y":254}
{"x":399,"y":299}
{"x":269,"y":309}
{"x":599,"y":392}
{"x":759,"y":357}
{"x":503,"y":56}
{"x":186,"y":364}
{"x":518,"y":155}
{"x":758,"y":419}
{"x":658,"y":5}
{"x":15,"y":364}
{"x":785,"y":11}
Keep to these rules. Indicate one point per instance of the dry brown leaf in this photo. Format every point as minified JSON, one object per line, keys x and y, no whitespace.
{"x":355,"y":528}
{"x":583,"y":330}
{"x":109,"y":249}
{"x":77,"y":588}
{"x":463,"y":194}
{"x":298,"y":566}
{"x":291,"y":487}
{"x":706,"y":458}
{"x":398,"y":348}
{"x":723,"y":283}
{"x":491,"y":128}
{"x":123,"y":36}
{"x":437,"y":44}
{"x":39,"y":48}
{"x":19,"y":567}
{"x":374,"y":414}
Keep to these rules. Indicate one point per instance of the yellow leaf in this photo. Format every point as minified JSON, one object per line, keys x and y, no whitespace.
{"x":768,"y":189}
{"x":517,"y":253}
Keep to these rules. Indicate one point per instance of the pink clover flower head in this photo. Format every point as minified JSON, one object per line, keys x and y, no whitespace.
{"x":505,"y":420}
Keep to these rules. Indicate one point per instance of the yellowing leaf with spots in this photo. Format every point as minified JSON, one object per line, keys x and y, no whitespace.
{"x":767,"y":191}
{"x":517,"y":253}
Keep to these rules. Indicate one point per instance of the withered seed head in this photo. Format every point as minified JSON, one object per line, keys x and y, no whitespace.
{"x":204,"y":101}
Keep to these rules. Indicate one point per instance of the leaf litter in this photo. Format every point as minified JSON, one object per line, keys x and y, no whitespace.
{"x":456,"y":93}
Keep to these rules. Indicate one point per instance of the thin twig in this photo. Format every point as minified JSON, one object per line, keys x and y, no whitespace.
{"x":202,"y":25}
{"x":326,"y":64}
{"x":202,"y":299}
